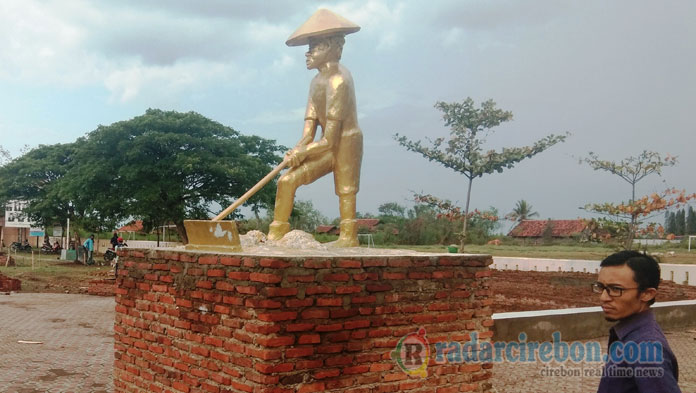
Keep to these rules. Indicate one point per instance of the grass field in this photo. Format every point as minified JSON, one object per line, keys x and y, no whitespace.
{"x":48,"y":274}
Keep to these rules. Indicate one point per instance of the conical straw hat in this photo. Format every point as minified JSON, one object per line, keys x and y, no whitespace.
{"x":322,"y":23}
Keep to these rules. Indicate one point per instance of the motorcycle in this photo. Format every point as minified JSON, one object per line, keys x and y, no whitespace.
{"x":109,"y":255}
{"x":46,"y":249}
{"x":17,"y":246}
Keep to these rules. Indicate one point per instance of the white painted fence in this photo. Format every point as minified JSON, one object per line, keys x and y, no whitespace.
{"x":679,"y":273}
{"x":150,"y":244}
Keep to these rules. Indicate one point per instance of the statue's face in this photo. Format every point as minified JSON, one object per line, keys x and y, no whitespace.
{"x":319,"y":53}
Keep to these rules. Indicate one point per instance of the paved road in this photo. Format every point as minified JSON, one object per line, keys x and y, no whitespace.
{"x":77,"y":350}
{"x":76,"y":354}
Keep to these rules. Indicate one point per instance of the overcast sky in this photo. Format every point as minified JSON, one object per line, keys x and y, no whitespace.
{"x":619,"y":75}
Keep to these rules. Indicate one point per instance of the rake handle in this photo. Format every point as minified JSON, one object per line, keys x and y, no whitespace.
{"x":253,"y":190}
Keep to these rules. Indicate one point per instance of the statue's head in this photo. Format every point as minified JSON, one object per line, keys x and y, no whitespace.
{"x":324,"y":49}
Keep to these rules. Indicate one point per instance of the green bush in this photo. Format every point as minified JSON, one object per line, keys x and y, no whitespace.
{"x":325,"y":237}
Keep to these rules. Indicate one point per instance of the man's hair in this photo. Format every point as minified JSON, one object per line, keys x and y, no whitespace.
{"x":646,"y":270}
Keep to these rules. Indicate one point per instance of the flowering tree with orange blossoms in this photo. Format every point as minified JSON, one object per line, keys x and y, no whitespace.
{"x":641,"y":209}
{"x":451,"y":212}
{"x":485,"y":221}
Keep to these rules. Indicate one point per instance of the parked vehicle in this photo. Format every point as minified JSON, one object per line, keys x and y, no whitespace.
{"x":47,"y":249}
{"x":17,"y":246}
{"x":109,"y":255}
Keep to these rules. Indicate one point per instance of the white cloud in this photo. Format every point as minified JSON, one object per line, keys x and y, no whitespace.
{"x":283,"y":63}
{"x":277,"y":117}
{"x":378,"y":18}
{"x":129,"y":49}
{"x":127,"y":83}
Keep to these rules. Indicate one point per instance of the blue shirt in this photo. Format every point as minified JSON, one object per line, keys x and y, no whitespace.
{"x":89,"y":244}
{"x":623,"y":373}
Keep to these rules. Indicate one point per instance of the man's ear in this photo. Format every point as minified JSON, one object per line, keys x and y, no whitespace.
{"x":648,"y":294}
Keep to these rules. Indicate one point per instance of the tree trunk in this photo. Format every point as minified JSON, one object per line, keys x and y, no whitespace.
{"x":631,"y":233}
{"x":632,"y":226}
{"x":466,"y":215}
{"x":77,"y":244}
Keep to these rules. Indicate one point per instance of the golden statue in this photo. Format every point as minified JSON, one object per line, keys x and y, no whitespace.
{"x":331,"y":106}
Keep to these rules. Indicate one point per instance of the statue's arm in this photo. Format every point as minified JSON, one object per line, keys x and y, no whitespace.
{"x":308,"y":132}
{"x":332,"y":134}
{"x":336,"y":101}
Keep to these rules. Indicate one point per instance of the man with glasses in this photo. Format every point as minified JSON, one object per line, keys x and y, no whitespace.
{"x":639,"y":357}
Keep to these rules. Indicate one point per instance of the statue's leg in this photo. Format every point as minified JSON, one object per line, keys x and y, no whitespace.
{"x":306,"y":173}
{"x":347,"y":183}
{"x":285,"y":195}
{"x":348,"y":236}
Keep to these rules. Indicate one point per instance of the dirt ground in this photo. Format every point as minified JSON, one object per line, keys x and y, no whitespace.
{"x":527,"y":291}
{"x":57,"y":277}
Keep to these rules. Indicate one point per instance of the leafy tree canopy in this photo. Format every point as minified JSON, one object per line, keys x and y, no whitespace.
{"x":391,"y":209}
{"x":159,"y":167}
{"x":464,"y":150}
{"x":634,"y":168}
{"x":306,"y":217}
{"x":35,"y":177}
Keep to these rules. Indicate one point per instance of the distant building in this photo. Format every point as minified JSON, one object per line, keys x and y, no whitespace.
{"x":559,"y":228}
{"x":133,"y":226}
{"x":328,"y":229}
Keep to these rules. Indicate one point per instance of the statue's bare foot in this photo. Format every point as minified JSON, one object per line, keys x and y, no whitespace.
{"x":277,"y":230}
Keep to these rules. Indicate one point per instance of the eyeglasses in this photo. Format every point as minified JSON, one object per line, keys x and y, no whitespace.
{"x":612,"y":290}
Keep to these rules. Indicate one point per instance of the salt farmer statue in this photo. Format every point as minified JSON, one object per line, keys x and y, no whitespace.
{"x":331,"y":106}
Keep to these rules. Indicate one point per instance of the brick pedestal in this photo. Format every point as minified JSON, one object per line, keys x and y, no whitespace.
{"x":8,"y":284}
{"x":196,"y":322}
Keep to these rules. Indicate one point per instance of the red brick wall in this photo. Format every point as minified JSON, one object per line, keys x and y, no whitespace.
{"x":101,"y":287}
{"x":9,"y":284}
{"x":189,"y":322}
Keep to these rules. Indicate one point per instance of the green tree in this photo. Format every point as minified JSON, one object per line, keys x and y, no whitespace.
{"x":424,"y":226}
{"x":680,"y":222}
{"x":160,"y":167}
{"x":522,"y":211}
{"x":36,"y":177}
{"x":464,"y":152}
{"x":305,"y":217}
{"x":691,"y":222}
{"x":632,"y":170}
{"x":671,"y":223}
{"x":391,"y":209}
{"x":5,"y":156}
{"x":168,"y":166}
{"x":547,"y":234}
{"x":642,"y":208}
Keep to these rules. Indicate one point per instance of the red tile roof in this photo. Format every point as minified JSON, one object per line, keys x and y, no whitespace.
{"x":325,"y":228}
{"x":535,"y":228}
{"x":369,"y":223}
{"x":135,"y":226}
